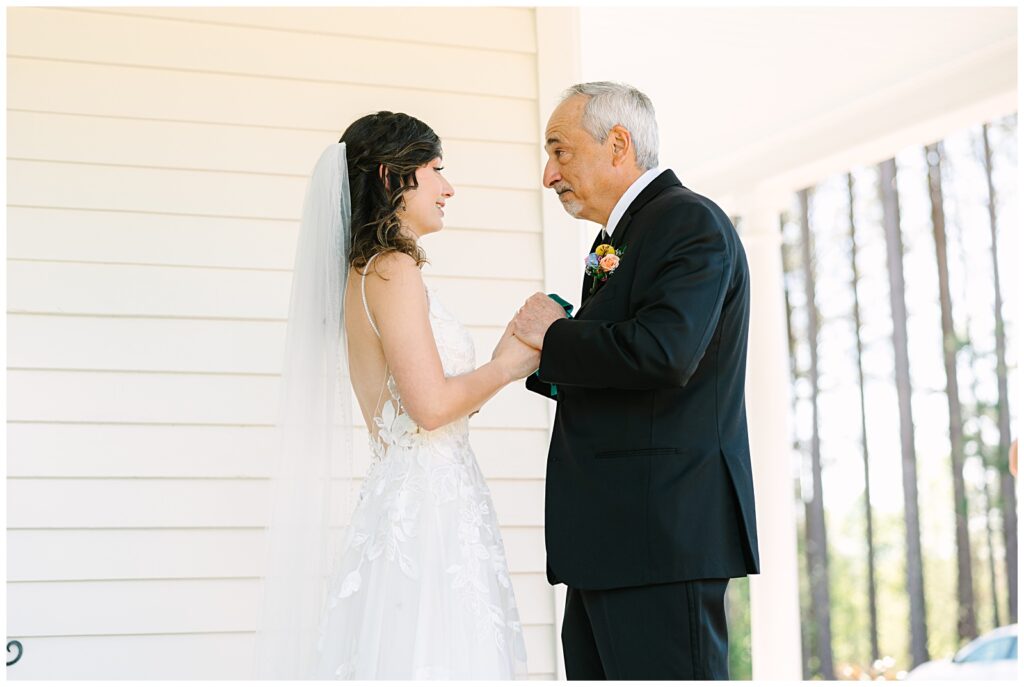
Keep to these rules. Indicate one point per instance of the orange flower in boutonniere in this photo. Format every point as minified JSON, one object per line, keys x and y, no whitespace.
{"x":602,"y":263}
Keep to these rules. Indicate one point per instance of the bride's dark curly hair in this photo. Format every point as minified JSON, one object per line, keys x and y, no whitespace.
{"x":401,"y":144}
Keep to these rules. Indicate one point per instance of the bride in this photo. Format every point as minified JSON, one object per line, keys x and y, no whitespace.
{"x":416,"y":586}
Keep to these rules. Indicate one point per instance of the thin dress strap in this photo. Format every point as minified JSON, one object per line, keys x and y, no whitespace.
{"x":369,"y":317}
{"x":365,"y":306}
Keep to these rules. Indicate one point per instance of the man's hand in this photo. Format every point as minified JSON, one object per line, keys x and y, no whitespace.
{"x":533,"y":319}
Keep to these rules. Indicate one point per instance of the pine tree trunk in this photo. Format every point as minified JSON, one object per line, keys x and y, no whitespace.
{"x":967,"y":625}
{"x":869,"y":526}
{"x":817,"y":544}
{"x":894,"y":250}
{"x":978,"y":410}
{"x":1006,"y":480}
{"x":991,"y":555}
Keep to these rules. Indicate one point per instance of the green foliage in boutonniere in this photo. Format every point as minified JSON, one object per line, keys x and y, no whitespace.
{"x":602,"y":262}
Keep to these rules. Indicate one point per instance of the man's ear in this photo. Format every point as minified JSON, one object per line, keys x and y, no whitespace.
{"x":382,"y":171}
{"x":622,"y":144}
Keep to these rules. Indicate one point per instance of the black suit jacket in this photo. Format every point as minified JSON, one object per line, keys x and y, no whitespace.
{"x":648,"y":473}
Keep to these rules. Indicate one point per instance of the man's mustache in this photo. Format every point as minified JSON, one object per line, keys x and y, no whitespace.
{"x":560,"y":187}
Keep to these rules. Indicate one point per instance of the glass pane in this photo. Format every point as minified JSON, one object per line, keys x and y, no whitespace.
{"x":991,"y":651}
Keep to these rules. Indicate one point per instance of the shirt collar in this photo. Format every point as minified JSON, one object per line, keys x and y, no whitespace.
{"x":629,"y":196}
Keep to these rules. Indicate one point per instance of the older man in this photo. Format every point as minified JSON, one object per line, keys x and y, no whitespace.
{"x":649,"y":504}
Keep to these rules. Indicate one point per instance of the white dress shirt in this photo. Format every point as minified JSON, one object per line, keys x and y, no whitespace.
{"x":628,"y":197}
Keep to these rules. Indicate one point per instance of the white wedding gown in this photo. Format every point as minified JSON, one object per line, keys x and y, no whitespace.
{"x":422,"y":588}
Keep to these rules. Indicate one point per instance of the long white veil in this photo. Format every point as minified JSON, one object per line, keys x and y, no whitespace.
{"x":312,"y":491}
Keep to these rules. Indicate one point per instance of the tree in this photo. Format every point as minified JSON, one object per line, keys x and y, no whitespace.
{"x":975,"y":445}
{"x":817,"y":545}
{"x":982,"y":451}
{"x":869,"y":528}
{"x":1009,"y":498}
{"x":894,"y":252}
{"x":966,"y":626}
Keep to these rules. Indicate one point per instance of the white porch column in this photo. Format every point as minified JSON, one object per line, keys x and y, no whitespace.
{"x":565,"y":239}
{"x":774,"y":594}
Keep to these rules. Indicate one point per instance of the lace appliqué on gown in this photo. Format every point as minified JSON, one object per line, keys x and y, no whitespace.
{"x":422,"y":587}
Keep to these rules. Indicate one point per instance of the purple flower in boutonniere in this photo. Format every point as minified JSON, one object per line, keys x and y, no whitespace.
{"x":602,"y":263}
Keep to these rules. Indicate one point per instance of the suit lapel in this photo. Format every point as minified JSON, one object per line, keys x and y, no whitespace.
{"x":618,"y":239}
{"x":587,"y":279}
{"x":659,"y":184}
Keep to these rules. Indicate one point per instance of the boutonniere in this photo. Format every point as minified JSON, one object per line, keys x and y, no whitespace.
{"x":602,"y":263}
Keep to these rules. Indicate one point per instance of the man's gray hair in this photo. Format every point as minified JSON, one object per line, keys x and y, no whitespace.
{"x":610,"y":103}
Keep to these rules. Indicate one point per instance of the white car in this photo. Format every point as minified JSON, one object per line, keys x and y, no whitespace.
{"x":992,"y":656}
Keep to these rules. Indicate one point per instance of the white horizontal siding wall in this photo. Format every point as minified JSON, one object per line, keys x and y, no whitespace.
{"x":156,"y":164}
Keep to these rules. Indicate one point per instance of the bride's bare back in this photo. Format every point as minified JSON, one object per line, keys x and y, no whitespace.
{"x":365,"y":352}
{"x":397,"y":300}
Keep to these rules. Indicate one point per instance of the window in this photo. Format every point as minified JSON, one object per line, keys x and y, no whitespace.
{"x":996,"y":649}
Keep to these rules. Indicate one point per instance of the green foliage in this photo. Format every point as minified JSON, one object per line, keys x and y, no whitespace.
{"x":737,"y":607}
{"x":848,"y":581}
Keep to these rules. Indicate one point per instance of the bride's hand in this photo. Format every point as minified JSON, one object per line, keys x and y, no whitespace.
{"x":518,"y":358}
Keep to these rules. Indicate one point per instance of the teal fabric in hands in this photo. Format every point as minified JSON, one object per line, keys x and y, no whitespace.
{"x":562,"y":302}
{"x":567,"y":306}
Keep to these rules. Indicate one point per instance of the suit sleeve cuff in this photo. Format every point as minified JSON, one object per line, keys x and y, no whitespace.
{"x":552,"y":349}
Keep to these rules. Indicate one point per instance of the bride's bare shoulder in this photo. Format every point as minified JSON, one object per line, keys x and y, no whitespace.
{"x":393,"y":272}
{"x":392,"y":262}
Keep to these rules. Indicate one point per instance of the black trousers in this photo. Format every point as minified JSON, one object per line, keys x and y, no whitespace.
{"x":672,"y":631}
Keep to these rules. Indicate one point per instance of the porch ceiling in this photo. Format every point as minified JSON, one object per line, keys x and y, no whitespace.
{"x":782,"y":96}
